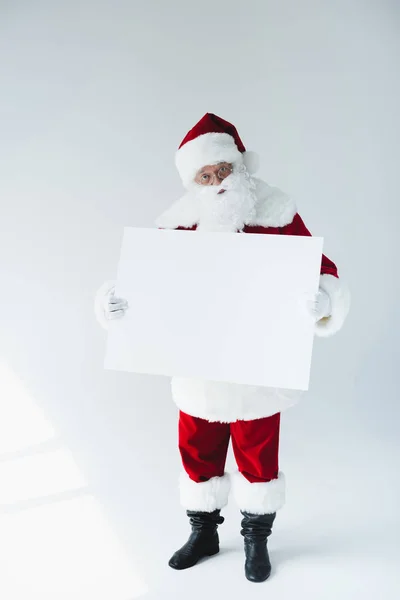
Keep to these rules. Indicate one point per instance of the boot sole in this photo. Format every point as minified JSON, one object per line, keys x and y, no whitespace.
{"x":206,"y":555}
{"x":258,"y":580}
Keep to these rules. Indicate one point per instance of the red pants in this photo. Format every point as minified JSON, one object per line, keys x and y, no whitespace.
{"x":204,"y":446}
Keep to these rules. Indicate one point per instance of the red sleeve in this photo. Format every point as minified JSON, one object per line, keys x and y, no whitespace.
{"x":297,"y":227}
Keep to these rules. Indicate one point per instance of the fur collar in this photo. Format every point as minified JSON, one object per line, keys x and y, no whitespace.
{"x":273,"y":209}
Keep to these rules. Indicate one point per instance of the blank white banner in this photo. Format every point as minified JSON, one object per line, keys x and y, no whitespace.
{"x":217,"y":306}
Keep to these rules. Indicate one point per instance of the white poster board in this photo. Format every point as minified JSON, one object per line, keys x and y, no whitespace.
{"x":216,"y":306}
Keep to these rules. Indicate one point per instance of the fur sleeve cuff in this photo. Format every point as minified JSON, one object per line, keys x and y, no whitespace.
{"x":340,"y":302}
{"x":100,"y":301}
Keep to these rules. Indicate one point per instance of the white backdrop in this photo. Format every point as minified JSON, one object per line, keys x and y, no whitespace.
{"x":95,"y":97}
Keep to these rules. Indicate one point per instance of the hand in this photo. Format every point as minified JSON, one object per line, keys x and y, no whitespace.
{"x":320,"y":306}
{"x":115,"y":308}
{"x":106,"y":306}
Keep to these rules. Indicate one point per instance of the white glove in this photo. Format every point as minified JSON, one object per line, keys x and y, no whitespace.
{"x":320,"y":306}
{"x":106,"y":306}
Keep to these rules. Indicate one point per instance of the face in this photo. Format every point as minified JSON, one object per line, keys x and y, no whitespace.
{"x":213,"y":174}
{"x":225,"y":199}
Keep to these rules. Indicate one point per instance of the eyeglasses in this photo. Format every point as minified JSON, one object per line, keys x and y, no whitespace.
{"x":209,"y":178}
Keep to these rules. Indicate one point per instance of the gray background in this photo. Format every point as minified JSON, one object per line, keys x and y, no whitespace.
{"x":95,"y":98}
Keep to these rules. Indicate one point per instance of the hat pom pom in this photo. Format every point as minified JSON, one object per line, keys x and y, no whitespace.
{"x":251,"y":160}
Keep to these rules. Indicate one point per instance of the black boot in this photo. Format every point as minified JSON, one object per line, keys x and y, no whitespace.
{"x":256,"y":529}
{"x":203,"y":540}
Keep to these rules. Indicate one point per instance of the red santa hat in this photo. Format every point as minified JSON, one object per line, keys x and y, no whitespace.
{"x":211,"y":141}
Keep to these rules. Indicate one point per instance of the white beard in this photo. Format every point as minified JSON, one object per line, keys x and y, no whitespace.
{"x":230,"y":210}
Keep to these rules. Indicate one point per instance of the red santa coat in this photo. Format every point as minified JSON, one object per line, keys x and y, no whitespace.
{"x":275,"y":214}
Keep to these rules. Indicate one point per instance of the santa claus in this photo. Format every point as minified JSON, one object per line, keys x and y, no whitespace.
{"x":223,"y":195}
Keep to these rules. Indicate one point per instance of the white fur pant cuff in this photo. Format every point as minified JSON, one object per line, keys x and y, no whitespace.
{"x":206,"y":496}
{"x":259,"y":498}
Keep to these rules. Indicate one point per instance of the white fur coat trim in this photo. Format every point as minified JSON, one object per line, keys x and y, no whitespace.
{"x":100,"y":302}
{"x":218,"y":401}
{"x":340,"y":302}
{"x":273,"y":209}
{"x":259,"y":498}
{"x":206,"y":496}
